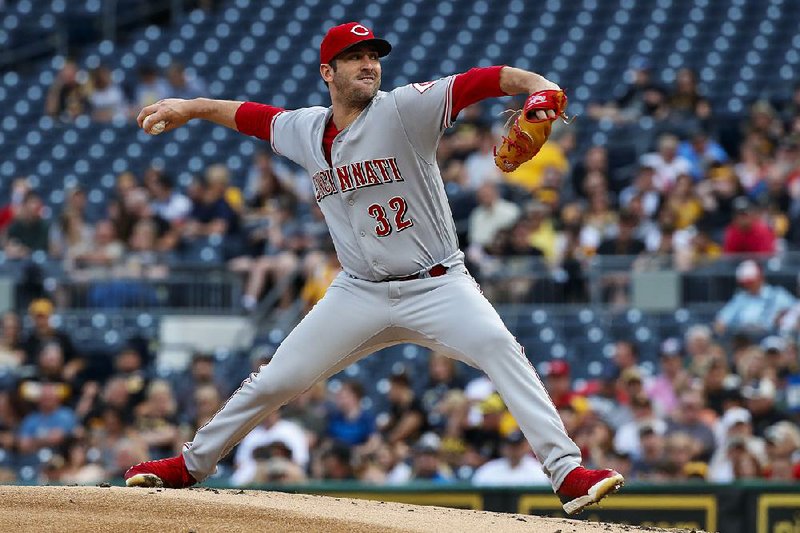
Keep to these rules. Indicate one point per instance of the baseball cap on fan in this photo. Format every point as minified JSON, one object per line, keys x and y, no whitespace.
{"x":340,"y":38}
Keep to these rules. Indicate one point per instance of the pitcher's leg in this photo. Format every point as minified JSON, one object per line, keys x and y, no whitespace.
{"x":462,"y":323}
{"x":343,"y":327}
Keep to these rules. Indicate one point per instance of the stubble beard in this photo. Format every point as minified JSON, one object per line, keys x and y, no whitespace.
{"x":355,"y":94}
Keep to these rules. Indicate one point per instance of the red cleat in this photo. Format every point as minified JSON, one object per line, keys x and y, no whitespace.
{"x":584,"y":487}
{"x":170,"y":473}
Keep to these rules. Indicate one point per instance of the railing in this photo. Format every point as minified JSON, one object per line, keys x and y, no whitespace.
{"x":602,"y":280}
{"x":204,"y":291}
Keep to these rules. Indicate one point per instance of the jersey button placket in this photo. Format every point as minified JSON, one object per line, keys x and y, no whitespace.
{"x":350,"y":202}
{"x":363,"y":233}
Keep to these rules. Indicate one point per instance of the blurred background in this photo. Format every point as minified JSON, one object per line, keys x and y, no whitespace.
{"x":646,"y":259}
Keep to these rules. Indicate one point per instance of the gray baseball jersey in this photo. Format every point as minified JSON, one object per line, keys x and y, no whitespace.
{"x":384,"y":202}
{"x":383,"y":197}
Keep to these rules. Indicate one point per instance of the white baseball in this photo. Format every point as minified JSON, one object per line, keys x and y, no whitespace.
{"x":158,"y":127}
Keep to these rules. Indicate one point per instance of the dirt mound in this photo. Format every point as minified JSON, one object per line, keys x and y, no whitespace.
{"x":203,"y":510}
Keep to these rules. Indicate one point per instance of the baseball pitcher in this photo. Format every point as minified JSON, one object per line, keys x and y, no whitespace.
{"x":371,"y":156}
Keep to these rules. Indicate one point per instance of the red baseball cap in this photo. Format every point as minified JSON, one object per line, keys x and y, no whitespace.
{"x":558,"y":367}
{"x":340,"y":38}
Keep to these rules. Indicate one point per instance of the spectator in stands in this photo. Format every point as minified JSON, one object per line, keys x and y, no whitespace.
{"x":157,"y":420}
{"x":600,"y":219}
{"x":426,"y":464}
{"x":50,"y":369}
{"x":492,"y":214}
{"x":349,"y":423}
{"x":652,"y":444}
{"x":641,"y":96}
{"x":516,"y":466}
{"x":760,"y":398}
{"x":98,"y":258}
{"x":106,"y":99}
{"x":734,"y":429}
{"x":168,"y":203}
{"x":211,"y":213}
{"x":275,"y":261}
{"x":50,"y":426}
{"x":595,"y":160}
{"x":745,"y":463}
{"x":66,"y":98}
{"x":701,"y":152}
{"x":626,"y":356}
{"x":559,"y":383}
{"x":663,"y":388}
{"x":684,"y":202}
{"x":666,"y":162}
{"x":310,"y":410}
{"x":12,"y":353}
{"x":720,"y":387}
{"x":208,"y":402}
{"x":541,"y":232}
{"x":29,"y":232}
{"x":757,"y":307}
{"x":783,"y":444}
{"x":479,"y":165}
{"x":405,"y":420}
{"x":129,"y":366}
{"x":680,"y":450}
{"x":82,"y":465}
{"x":201,"y":373}
{"x":182,"y":85}
{"x":748,"y":233}
{"x":41,"y":311}
{"x":72,"y":229}
{"x":272,"y":430}
{"x":268,"y":178}
{"x":335,"y":463}
{"x":150,"y":88}
{"x":685,"y":97}
{"x":643,"y":187}
{"x":442,"y":377}
{"x":143,"y":259}
{"x":718,"y":195}
{"x":763,"y":127}
{"x":688,"y":418}
{"x":700,"y":250}
{"x":625,"y":242}
{"x":113,"y":406}
{"x":700,"y":348}
{"x":319,"y":276}
{"x":627,"y":436}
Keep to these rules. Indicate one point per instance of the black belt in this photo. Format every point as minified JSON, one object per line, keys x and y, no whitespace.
{"x":434,"y":272}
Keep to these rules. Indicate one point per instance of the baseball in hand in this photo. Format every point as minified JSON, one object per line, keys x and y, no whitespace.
{"x":158,"y":127}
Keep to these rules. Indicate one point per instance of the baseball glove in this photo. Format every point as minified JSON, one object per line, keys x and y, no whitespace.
{"x":527,"y":133}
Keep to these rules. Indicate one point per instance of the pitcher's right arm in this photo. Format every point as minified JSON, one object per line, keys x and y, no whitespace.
{"x":249,"y":118}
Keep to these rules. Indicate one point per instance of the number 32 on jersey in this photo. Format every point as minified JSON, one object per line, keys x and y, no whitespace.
{"x":384,"y":227}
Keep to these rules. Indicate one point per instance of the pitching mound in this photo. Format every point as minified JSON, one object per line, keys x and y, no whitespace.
{"x":202,"y":510}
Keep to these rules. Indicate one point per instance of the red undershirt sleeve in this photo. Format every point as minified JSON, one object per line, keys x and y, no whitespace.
{"x":255,"y":119}
{"x":475,"y":85}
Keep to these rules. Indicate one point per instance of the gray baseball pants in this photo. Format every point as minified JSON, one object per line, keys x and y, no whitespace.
{"x":355,"y":318}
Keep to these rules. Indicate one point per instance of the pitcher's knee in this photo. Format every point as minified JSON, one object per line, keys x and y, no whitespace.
{"x":272,"y":387}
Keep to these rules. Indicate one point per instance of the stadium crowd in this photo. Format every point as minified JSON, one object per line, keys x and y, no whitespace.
{"x":722,"y":404}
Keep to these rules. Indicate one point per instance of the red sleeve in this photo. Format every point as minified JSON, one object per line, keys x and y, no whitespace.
{"x":256,"y":119}
{"x":475,"y":85}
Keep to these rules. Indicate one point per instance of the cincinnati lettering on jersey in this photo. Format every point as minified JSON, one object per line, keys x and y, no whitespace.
{"x":355,"y":176}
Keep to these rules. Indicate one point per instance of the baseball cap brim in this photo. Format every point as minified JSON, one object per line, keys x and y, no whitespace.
{"x":381,"y":46}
